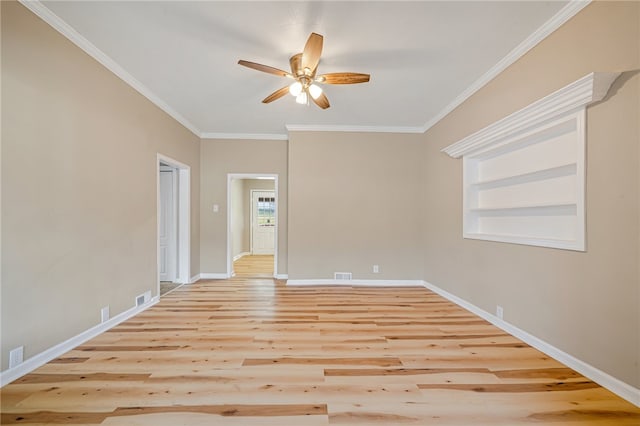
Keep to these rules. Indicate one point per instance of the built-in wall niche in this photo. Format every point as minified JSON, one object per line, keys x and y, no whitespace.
{"x":524,"y":176}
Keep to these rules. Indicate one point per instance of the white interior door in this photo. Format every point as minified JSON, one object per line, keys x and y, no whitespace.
{"x":263,"y":222}
{"x":168,"y":226}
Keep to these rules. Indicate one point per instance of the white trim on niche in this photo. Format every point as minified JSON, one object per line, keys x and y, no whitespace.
{"x":587,"y":90}
{"x":616,"y":386}
{"x":524,"y":175}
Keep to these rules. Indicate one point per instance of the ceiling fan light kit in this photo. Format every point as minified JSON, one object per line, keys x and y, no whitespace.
{"x":303,"y":70}
{"x":315,"y":91}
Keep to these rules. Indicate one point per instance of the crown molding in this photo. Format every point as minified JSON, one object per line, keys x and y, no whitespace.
{"x":256,"y":136}
{"x":76,"y":38}
{"x":590,"y":88}
{"x":348,"y":128}
{"x":566,"y":13}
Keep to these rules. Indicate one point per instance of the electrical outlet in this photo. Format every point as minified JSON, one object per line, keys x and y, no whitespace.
{"x":104,"y":314}
{"x":376,"y":269}
{"x":499,"y":312}
{"x":16,"y":356}
{"x":216,"y":208}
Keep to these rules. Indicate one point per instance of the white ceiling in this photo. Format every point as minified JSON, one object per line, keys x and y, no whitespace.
{"x":423,"y":56}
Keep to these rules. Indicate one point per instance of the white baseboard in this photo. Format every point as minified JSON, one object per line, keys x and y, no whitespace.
{"x":359,"y":283}
{"x":214,"y":276}
{"x":223,"y":276}
{"x":241,"y":255}
{"x":605,"y":380}
{"x":38,"y":360}
{"x":194,"y":279}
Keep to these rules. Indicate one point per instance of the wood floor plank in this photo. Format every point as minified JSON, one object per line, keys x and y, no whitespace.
{"x":399,"y":371}
{"x":200,"y":419}
{"x":36,"y":378}
{"x":381,"y":362}
{"x":515,"y":387}
{"x":251,"y":351}
{"x":69,"y":360}
{"x":240,"y":410}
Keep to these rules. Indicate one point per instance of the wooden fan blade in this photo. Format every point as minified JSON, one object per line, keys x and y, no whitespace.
{"x":322,"y":101}
{"x":312,"y":51}
{"x":276,"y":95}
{"x":264,"y":68}
{"x":343,"y":78}
{"x":294,"y":62}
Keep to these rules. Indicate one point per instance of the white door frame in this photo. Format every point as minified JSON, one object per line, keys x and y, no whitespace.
{"x":184,"y":219}
{"x":230,"y":178}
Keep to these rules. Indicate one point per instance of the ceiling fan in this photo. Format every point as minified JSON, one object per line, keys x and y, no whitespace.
{"x":303,"y":70}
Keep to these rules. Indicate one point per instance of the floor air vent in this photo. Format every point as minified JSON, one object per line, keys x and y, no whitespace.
{"x":342,"y":275}
{"x":140,"y":300}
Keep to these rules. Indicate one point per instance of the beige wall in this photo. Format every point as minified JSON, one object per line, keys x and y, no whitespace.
{"x":354,"y":202}
{"x":218,"y":159}
{"x":79,"y":189}
{"x":586,"y":304}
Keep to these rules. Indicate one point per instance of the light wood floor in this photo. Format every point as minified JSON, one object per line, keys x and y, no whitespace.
{"x":254,"y":352}
{"x":255,"y":265}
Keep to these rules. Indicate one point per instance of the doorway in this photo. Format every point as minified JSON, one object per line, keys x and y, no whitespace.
{"x":173,"y":213}
{"x":168,"y":228}
{"x":252,"y":225}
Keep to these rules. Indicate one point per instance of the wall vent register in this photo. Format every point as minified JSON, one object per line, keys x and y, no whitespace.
{"x":524,"y":176}
{"x":342,"y":276}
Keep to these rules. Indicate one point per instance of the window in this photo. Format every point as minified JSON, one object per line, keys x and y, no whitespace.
{"x":266,"y":211}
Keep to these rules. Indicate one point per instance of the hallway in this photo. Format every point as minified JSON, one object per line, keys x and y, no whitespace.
{"x":256,"y":266}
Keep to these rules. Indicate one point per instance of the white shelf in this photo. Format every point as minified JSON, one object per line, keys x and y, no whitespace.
{"x":550,"y":173}
{"x":530,"y":210}
{"x":530,"y":241}
{"x":524,"y":175}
